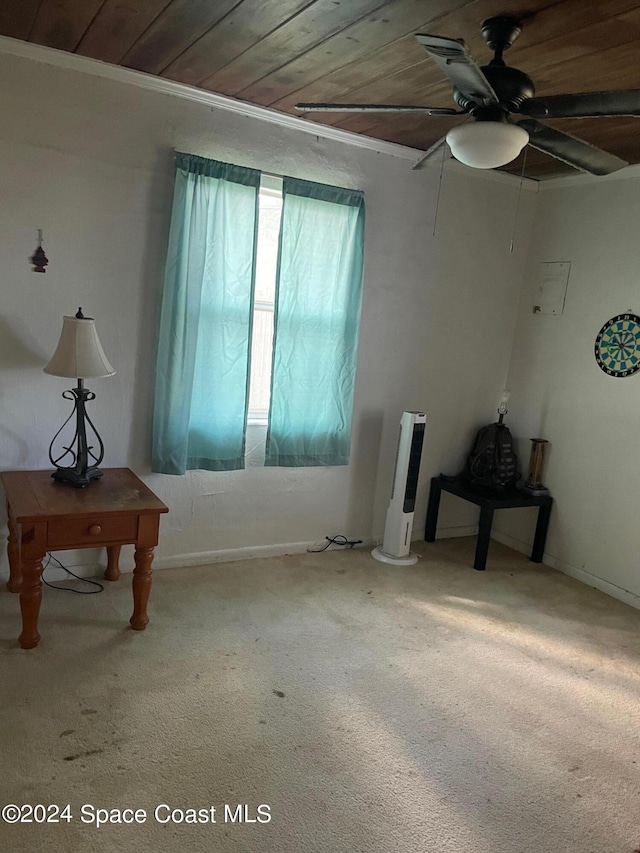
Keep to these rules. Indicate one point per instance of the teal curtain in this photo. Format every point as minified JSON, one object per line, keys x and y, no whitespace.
{"x":317,"y":315}
{"x":202,"y":372}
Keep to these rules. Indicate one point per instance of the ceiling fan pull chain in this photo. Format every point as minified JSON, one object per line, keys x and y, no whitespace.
{"x":515,"y":221}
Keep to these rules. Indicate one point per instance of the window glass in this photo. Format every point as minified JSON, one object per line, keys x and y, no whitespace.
{"x":270,"y":211}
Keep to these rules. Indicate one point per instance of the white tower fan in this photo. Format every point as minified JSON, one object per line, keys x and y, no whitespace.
{"x":396,"y":545}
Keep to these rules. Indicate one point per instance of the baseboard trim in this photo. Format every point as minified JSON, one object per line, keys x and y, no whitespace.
{"x":587,"y":578}
{"x":441,"y":533}
{"x":96,"y":569}
{"x":232,"y":555}
{"x":455,"y":532}
{"x":512,"y":542}
{"x":229,"y":555}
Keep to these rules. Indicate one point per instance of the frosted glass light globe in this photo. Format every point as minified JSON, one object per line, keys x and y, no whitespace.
{"x":487,"y":144}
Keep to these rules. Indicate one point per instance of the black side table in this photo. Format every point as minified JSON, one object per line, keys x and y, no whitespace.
{"x":488,"y":501}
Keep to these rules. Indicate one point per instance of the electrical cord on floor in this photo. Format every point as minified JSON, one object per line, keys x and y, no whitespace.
{"x":335,"y":540}
{"x":69,"y":572}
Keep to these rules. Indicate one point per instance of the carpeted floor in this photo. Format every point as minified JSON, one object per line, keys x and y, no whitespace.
{"x":430,"y":708}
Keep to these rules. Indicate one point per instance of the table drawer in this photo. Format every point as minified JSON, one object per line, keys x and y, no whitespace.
{"x":99,"y":530}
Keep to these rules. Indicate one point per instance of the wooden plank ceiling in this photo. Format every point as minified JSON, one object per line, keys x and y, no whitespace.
{"x":276,"y":53}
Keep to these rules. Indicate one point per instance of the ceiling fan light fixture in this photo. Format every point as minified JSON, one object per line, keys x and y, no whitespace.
{"x":487,"y":144}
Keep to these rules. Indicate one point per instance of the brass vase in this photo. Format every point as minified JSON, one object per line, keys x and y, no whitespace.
{"x":536,"y":466}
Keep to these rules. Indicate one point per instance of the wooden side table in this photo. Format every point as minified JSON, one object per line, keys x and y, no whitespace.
{"x":488,"y":501}
{"x":44,"y":515}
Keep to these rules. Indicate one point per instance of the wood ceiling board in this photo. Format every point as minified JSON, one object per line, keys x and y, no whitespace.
{"x":379,"y":64}
{"x":412,"y":132}
{"x":465,"y":22}
{"x":62,"y":23}
{"x":617,"y":135}
{"x":299,"y":36}
{"x":538,"y":163}
{"x":316,"y":92}
{"x":404,"y":87}
{"x":543,"y":171}
{"x":547,"y":27}
{"x":348,"y":77}
{"x":615,"y":68}
{"x":246,"y":25}
{"x":396,"y":18}
{"x":179,"y":26}
{"x":117,"y":26}
{"x":575,"y":61}
{"x":17,"y":17}
{"x":563,"y":19}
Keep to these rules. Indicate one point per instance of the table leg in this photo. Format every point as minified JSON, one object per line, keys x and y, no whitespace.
{"x":433,"y":506}
{"x":112,"y":572}
{"x":540,"y":537}
{"x":30,"y":598}
{"x":484,"y":533}
{"x":141,"y":587}
{"x":13,"y":553}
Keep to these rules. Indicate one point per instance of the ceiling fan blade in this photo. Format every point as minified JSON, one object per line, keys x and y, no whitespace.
{"x":575,"y":152}
{"x":454,"y":60}
{"x":375,"y":108}
{"x":428,"y":154}
{"x":584,"y":105}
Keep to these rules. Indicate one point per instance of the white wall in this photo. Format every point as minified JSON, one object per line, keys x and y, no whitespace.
{"x":591,"y":420}
{"x":89,"y":160}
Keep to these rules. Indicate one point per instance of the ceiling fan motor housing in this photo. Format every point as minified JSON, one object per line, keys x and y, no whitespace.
{"x":511,"y":85}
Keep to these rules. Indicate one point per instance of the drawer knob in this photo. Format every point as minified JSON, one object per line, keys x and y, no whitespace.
{"x":95,"y":530}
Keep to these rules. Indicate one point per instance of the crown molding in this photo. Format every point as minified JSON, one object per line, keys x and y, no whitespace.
{"x":98,"y":68}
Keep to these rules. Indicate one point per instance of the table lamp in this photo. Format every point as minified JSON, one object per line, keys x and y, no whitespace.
{"x":80,"y":355}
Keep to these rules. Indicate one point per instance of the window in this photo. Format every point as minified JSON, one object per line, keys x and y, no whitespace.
{"x":267,"y":271}
{"x":269,"y":215}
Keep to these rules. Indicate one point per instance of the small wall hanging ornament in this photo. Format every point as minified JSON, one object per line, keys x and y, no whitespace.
{"x":617,"y":346}
{"x":39,"y":259}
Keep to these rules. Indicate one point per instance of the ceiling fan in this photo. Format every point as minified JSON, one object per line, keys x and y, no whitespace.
{"x":492,"y":94}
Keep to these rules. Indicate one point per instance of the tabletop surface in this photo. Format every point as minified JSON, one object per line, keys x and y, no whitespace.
{"x":511,"y":496}
{"x":35,"y":496}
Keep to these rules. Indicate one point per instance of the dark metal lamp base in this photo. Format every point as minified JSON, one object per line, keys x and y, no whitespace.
{"x":77,"y":477}
{"x":80,"y":473}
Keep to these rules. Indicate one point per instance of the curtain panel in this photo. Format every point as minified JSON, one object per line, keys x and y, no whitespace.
{"x":202,"y":372}
{"x":317,"y":315}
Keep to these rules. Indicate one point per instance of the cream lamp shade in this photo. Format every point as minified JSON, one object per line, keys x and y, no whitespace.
{"x":79,"y":353}
{"x":487,"y":144}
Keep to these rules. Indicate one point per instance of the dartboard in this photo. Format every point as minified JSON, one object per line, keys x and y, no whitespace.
{"x":617,"y":345}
